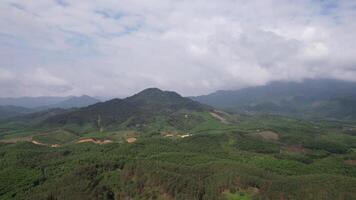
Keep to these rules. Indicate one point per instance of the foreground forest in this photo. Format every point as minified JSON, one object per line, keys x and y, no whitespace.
{"x":304,"y":161}
{"x":164,"y":146}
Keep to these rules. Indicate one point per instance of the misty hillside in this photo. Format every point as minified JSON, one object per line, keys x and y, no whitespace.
{"x":42,"y":103}
{"x":315,"y":98}
{"x":15,"y":107}
{"x":32,"y":102}
{"x":75,"y":102}
{"x":13,"y":111}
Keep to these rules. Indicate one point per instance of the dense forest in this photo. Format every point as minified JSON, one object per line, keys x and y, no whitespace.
{"x":160,"y":145}
{"x":265,"y":157}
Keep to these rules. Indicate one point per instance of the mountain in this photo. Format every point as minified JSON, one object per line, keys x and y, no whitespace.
{"x":155,"y":100}
{"x":138,"y":109}
{"x":159,"y":145}
{"x":315,"y":98}
{"x":13,"y":111}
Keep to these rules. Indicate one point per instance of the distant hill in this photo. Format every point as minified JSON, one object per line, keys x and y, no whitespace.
{"x":314,"y":98}
{"x":31,"y":102}
{"x":13,"y":111}
{"x":15,"y":107}
{"x":75,"y":102}
{"x":33,"y":117}
{"x":137,"y":109}
{"x":43,"y":103}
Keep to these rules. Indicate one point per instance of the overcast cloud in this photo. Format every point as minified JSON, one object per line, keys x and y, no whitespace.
{"x":118,"y":47}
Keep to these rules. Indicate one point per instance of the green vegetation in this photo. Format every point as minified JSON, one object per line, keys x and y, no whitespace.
{"x":255,"y":145}
{"x":177,"y":153}
{"x":222,"y":162}
{"x":56,"y":137}
{"x":238,"y":196}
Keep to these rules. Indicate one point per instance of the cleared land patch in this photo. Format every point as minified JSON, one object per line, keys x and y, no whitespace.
{"x":38,"y":143}
{"x":220,"y":118}
{"x":169,"y":133}
{"x":95,"y":141}
{"x":131,"y":140}
{"x":55,"y":137}
{"x":351,"y":162}
{"x":266,"y":135}
{"x":14,"y":140}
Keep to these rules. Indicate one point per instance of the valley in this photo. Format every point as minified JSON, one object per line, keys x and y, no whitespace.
{"x":177,"y":100}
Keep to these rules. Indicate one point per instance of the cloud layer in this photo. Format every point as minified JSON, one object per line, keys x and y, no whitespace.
{"x":118,"y":47}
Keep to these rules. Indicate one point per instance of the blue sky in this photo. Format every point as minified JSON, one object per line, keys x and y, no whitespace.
{"x":118,"y":47}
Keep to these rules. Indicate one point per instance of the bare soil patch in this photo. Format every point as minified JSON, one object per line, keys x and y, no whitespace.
{"x":14,"y":140}
{"x":131,"y":140}
{"x":38,"y":143}
{"x":220,"y":118}
{"x":27,"y":139}
{"x":186,"y":135}
{"x":95,"y":141}
{"x":253,"y":190}
{"x":266,"y":135}
{"x":351,"y":162}
{"x":169,"y":133}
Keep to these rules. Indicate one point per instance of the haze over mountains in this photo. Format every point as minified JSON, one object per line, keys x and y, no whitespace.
{"x":52,"y":102}
{"x":315,"y":98}
{"x":310,"y":98}
{"x":31,"y":102}
{"x":13,"y":111}
{"x":12,"y":107}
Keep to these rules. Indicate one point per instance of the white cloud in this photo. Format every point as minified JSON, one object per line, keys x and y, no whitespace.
{"x":110,"y":47}
{"x":42,"y":77}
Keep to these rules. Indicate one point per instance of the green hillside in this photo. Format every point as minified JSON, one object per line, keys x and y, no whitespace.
{"x":159,"y":145}
{"x":139,"y":110}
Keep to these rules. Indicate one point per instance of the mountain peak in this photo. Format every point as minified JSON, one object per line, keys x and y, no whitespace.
{"x":153,"y":89}
{"x":156,"y":91}
{"x":142,"y":106}
{"x":155,"y":94}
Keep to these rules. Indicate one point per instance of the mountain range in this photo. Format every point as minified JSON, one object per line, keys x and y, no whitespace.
{"x":159,"y":145}
{"x":309,"y":98}
{"x":323,"y":98}
{"x":12,"y":107}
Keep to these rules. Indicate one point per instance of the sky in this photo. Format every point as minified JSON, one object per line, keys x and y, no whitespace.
{"x":119,"y":47}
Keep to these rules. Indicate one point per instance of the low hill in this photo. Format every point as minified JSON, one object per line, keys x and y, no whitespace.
{"x":313,"y":98}
{"x":31,"y":102}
